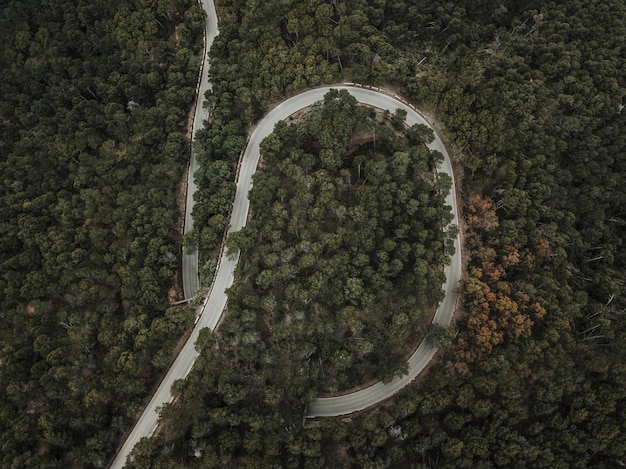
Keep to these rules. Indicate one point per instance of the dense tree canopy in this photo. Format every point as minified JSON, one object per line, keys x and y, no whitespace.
{"x":532,"y":97}
{"x":346,"y":232}
{"x":341,"y":262}
{"x":93,"y":108}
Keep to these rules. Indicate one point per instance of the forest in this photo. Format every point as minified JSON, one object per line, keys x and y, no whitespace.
{"x":346,"y":237}
{"x":529,"y":97}
{"x":94,"y":102}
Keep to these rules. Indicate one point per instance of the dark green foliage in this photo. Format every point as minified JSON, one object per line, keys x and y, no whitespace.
{"x":532,"y":95}
{"x":93,"y":107}
{"x":537,"y":107}
{"x":213,"y":201}
{"x":347,"y":233}
{"x":339,"y":264}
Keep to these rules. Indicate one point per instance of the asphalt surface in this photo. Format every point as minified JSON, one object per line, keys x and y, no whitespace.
{"x":216,"y":300}
{"x":147,"y":423}
{"x":191,"y":281}
{"x":372,"y":395}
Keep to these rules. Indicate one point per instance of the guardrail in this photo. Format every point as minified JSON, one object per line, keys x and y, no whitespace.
{"x":393,"y":95}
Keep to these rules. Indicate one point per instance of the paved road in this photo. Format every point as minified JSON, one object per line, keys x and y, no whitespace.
{"x":349,"y":403}
{"x":147,"y":423}
{"x":216,"y":300}
{"x":191,"y":281}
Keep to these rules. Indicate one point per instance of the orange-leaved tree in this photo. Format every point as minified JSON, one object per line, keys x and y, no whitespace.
{"x":496,"y":310}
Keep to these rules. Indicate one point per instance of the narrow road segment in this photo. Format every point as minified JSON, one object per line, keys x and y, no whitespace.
{"x":191,"y":282}
{"x":215,"y":301}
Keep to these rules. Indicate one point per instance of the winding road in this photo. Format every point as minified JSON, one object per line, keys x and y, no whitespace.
{"x":191,"y":282}
{"x":356,"y":401}
{"x":215,"y":301}
{"x":147,"y":423}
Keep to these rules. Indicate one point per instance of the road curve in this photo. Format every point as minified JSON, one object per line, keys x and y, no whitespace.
{"x":372,"y":395}
{"x":215,"y":302}
{"x":191,"y":282}
{"x":147,"y":423}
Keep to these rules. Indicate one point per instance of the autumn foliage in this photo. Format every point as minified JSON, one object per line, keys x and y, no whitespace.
{"x":496,"y":310}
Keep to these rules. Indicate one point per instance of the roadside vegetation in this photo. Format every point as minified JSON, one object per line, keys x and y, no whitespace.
{"x":94,"y":102}
{"x":531,"y":96}
{"x":344,"y":251}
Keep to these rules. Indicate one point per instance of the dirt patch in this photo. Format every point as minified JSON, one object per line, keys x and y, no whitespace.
{"x":298,"y":116}
{"x":358,"y":139}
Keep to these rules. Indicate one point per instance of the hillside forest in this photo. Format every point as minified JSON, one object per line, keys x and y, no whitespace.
{"x":95,"y":97}
{"x":342,"y":256}
{"x":529,"y":97}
